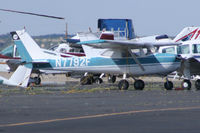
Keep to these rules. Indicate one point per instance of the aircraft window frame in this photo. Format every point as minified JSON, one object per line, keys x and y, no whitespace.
{"x":125,"y":54}
{"x":183,"y":49}
{"x":170,"y":50}
{"x":108,"y":53}
{"x":116,"y":54}
{"x":62,"y":50}
{"x":196,"y":48}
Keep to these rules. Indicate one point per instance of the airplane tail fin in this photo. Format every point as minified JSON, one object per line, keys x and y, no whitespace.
{"x":27,"y":47}
{"x":188,"y":33}
{"x":20,"y":77}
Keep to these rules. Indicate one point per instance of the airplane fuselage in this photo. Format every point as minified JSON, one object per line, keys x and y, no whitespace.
{"x":161,"y":64}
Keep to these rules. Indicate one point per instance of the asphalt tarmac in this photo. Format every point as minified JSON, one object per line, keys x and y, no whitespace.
{"x":59,"y":110}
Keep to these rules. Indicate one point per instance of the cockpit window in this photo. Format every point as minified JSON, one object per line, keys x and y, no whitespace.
{"x":196,"y":48}
{"x":63,"y":50}
{"x":183,"y":49}
{"x":125,"y":54}
{"x":170,"y":50}
{"x":116,"y":54}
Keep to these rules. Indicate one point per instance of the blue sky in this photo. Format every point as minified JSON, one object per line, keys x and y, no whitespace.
{"x":149,"y":16}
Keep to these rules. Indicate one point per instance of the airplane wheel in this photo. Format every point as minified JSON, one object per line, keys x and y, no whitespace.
{"x":139,"y":84}
{"x":123,"y":85}
{"x":186,"y":84}
{"x":37,"y":80}
{"x":197,"y":84}
{"x":85,"y":80}
{"x":112,"y":79}
{"x":98,"y":81}
{"x":168,"y":85}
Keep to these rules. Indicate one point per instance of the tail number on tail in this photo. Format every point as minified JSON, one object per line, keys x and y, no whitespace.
{"x":72,"y":62}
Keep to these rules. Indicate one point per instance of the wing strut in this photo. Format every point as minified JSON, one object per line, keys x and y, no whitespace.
{"x":136,"y":60}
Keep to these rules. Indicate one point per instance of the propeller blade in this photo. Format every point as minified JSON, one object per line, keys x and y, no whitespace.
{"x":29,"y":13}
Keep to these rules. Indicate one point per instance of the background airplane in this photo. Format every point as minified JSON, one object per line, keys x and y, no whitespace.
{"x":189,"y":52}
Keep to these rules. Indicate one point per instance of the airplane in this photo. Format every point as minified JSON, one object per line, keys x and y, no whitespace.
{"x":111,"y":57}
{"x":189,"y":52}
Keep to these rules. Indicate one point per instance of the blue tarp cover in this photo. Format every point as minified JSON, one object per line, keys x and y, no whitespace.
{"x":116,"y":24}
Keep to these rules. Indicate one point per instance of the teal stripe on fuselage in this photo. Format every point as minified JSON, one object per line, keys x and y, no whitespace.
{"x":100,"y":61}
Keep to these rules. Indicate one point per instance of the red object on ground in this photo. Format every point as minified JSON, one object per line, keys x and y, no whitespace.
{"x":179,"y":88}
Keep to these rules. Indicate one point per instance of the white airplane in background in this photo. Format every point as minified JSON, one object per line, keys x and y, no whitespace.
{"x":189,"y":52}
{"x":102,"y":56}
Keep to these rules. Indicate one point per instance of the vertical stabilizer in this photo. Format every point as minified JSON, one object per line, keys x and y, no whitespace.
{"x":26,"y":46}
{"x":188,"y":33}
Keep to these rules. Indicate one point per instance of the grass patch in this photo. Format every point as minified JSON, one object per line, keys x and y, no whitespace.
{"x":91,"y":90}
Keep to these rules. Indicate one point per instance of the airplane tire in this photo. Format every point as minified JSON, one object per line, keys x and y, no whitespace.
{"x":197,"y":84}
{"x":123,"y":85}
{"x":37,"y":80}
{"x":139,"y":84}
{"x":98,"y":81}
{"x":186,"y":84}
{"x":168,"y":85}
{"x":111,"y":79}
{"x":86,"y":80}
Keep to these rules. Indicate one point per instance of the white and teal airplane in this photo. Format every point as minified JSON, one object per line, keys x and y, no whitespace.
{"x":102,"y":56}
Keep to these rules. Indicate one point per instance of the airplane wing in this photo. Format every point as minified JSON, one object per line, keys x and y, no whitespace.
{"x":91,"y":41}
{"x":133,"y":44}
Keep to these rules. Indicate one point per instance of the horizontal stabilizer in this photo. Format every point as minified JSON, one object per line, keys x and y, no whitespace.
{"x":20,"y":77}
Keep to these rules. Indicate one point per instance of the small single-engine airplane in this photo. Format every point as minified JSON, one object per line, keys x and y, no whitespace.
{"x":102,"y":56}
{"x":189,"y":52}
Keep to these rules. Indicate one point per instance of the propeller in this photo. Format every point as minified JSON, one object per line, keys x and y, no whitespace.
{"x":35,"y":14}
